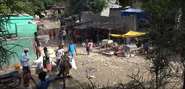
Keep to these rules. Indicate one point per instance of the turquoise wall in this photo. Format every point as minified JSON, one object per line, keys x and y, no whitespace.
{"x":26,"y":43}
{"x":25,"y":32}
{"x":19,"y":20}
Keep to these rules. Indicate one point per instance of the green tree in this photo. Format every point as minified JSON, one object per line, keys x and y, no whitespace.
{"x":123,"y":3}
{"x":166,"y":37}
{"x":77,"y":6}
{"x":9,"y":8}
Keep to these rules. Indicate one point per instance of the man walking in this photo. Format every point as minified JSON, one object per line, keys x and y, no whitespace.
{"x":59,"y":54}
{"x":71,"y":48}
{"x":37,"y":45}
{"x":64,"y":35}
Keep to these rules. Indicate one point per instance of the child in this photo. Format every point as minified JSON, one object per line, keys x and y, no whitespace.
{"x":26,"y":78}
{"x":91,"y":45}
{"x":50,"y":34}
{"x":44,"y":83}
{"x":54,"y":33}
{"x":48,"y":67}
{"x":87,"y":48}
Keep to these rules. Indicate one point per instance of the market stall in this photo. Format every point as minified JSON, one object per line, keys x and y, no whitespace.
{"x":129,"y":49}
{"x":107,"y":42}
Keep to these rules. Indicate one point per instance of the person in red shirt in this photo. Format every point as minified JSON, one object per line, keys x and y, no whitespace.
{"x":78,"y":35}
{"x":88,"y":47}
{"x":50,"y":34}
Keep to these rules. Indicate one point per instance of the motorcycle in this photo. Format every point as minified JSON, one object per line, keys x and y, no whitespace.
{"x":11,"y":80}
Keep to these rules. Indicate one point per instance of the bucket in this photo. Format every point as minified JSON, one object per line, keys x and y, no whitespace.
{"x":17,"y":67}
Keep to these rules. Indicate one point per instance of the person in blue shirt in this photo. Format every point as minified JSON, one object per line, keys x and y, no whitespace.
{"x":71,"y":48}
{"x":44,"y":83}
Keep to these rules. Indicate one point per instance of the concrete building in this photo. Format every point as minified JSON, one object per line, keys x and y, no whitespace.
{"x":20,"y":32}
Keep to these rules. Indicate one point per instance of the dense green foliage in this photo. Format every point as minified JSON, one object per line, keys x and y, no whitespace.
{"x":166,"y":37}
{"x":77,"y":6}
{"x":123,"y":3}
{"x":15,"y":7}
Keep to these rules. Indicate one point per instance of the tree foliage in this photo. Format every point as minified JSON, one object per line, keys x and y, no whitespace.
{"x":166,"y":37}
{"x":77,"y":6}
{"x":123,"y":3}
{"x":10,"y":8}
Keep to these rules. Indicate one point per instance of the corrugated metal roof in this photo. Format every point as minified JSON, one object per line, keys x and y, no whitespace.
{"x":101,"y":25}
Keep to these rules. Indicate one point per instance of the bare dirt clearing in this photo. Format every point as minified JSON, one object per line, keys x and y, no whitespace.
{"x":103,"y":69}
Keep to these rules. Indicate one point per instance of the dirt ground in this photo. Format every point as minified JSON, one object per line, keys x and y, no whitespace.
{"x":104,"y":69}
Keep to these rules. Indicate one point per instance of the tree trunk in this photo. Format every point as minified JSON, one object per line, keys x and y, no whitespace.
{"x":184,"y":79}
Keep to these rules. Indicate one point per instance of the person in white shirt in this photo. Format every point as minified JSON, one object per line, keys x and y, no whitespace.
{"x":59,"y":54}
{"x":25,"y":59}
{"x":64,"y":34}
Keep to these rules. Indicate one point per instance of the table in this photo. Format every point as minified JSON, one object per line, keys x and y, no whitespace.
{"x":107,"y":42}
{"x":131,"y":48}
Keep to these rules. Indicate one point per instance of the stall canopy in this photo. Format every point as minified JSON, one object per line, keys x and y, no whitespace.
{"x":129,"y":34}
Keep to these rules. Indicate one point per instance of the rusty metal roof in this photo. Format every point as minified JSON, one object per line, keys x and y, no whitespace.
{"x":101,"y":25}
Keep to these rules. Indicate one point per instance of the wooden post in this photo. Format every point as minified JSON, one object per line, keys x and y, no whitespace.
{"x":124,"y":44}
{"x":98,"y":35}
{"x":109,"y":33}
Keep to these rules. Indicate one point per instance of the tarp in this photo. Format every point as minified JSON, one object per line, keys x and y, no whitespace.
{"x":133,"y":34}
{"x":129,"y":34}
{"x":116,"y":35}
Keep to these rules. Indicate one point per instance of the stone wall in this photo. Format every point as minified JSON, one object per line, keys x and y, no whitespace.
{"x":129,"y":21}
{"x":115,"y":12}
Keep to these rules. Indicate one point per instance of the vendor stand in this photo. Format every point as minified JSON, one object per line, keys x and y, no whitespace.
{"x":107,"y":42}
{"x":129,"y":48}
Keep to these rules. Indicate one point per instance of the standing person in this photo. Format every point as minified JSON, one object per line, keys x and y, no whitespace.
{"x":26,"y":78}
{"x":59,"y":54}
{"x":48,"y":66}
{"x":91,"y":45}
{"x":44,"y":83}
{"x":145,"y":44}
{"x":60,"y":36}
{"x":64,"y":34}
{"x":136,"y":42}
{"x":62,"y":42}
{"x":37,"y":45}
{"x":25,"y":59}
{"x":58,"y":32}
{"x":50,"y":34}
{"x":78,"y":35}
{"x":71,"y":48}
{"x":54,"y":33}
{"x":87,"y":47}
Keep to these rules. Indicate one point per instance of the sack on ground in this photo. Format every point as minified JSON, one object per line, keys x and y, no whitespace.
{"x":38,"y":63}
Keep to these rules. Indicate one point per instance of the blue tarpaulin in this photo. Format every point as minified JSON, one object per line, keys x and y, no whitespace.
{"x":139,"y":12}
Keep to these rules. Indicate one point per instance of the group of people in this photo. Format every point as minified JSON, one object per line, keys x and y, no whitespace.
{"x":61,"y":34}
{"x":44,"y":83}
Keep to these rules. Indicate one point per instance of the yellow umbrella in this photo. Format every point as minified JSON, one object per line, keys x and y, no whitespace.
{"x":133,"y":34}
{"x":129,"y":34}
{"x":116,"y":35}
